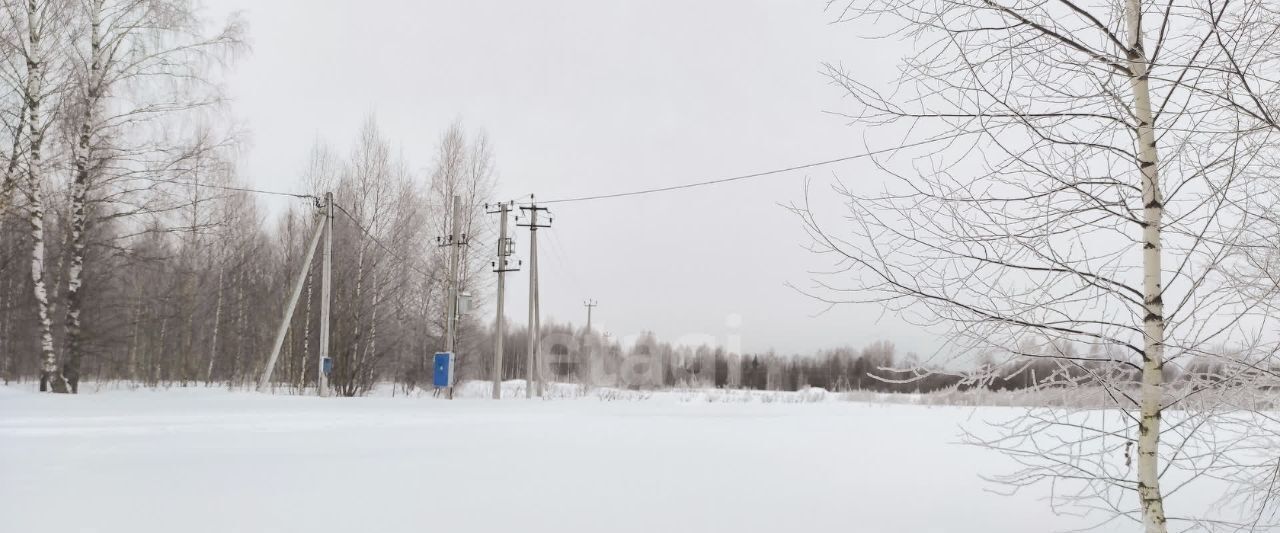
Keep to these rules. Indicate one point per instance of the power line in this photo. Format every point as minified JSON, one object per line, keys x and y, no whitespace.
{"x":566,"y":267}
{"x":258,"y":191}
{"x":745,"y":176}
{"x":378,"y":242}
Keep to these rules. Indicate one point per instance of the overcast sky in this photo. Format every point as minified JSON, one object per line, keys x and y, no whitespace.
{"x":585,"y":97}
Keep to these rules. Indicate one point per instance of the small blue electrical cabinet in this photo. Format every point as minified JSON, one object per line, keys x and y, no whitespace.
{"x":443,"y":370}
{"x":327,"y":365}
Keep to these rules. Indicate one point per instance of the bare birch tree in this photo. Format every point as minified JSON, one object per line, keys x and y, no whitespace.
{"x":137,"y":64}
{"x":379,"y":259}
{"x":463,"y":167}
{"x":1080,"y":175}
{"x":34,"y":74}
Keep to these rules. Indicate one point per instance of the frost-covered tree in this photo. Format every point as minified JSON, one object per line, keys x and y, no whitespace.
{"x":1081,"y":174}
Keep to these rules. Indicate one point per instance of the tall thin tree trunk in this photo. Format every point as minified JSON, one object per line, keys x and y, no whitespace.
{"x":187,"y":294}
{"x":133,"y":342}
{"x":157,"y":352}
{"x":306,"y":337}
{"x":6,"y":331}
{"x":372,"y":352}
{"x":50,"y":377}
{"x":80,"y":199}
{"x":9,"y":183}
{"x":1153,"y":516}
{"x":353,"y":352}
{"x":240,"y":327}
{"x":213,"y":342}
{"x":288,"y":358}
{"x":186,"y":342}
{"x":75,"y":351}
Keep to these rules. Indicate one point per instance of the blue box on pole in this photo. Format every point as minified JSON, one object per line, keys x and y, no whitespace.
{"x":327,"y":366}
{"x":443,"y":370}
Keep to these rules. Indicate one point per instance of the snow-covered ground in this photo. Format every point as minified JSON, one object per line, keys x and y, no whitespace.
{"x":208,"y":460}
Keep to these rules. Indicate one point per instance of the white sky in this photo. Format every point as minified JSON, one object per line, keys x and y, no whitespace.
{"x":584,"y":97}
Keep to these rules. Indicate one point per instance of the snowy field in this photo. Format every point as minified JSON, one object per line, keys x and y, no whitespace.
{"x":208,"y":460}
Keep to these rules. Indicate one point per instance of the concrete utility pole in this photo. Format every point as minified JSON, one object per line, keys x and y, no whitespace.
{"x":589,"y":304}
{"x":453,"y":241}
{"x":265,"y":380}
{"x":326,"y":284}
{"x":537,"y":326}
{"x":501,"y":266}
{"x":535,"y":332}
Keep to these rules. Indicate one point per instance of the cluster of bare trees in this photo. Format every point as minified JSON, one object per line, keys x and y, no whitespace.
{"x":1092,"y":174}
{"x":390,"y":276}
{"x":103,"y":105}
{"x":194,"y":292}
{"x":129,"y":250}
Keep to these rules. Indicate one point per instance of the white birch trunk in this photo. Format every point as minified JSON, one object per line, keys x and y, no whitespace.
{"x":80,"y":196}
{"x":348,"y":388}
{"x":133,"y":339}
{"x":155,"y":351}
{"x":372,"y":352}
{"x":33,"y":93}
{"x":306,"y":338}
{"x":9,"y":182}
{"x":50,"y":378}
{"x":1153,"y":516}
{"x":240,"y":327}
{"x":213,"y":342}
{"x":187,"y":340}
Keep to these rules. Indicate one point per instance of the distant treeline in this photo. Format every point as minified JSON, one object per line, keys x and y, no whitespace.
{"x":576,"y":356}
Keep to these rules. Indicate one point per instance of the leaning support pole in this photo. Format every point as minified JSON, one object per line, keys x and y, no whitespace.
{"x":288,"y":309}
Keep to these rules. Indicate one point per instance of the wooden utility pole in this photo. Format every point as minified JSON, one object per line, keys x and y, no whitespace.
{"x":455,"y":240}
{"x":326,"y":288}
{"x":501,"y":266}
{"x":535,"y":332}
{"x":265,"y":380}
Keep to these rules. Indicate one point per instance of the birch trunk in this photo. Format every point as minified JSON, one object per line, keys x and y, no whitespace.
{"x":9,"y":183}
{"x":6,"y":332}
{"x":348,"y":387}
{"x":75,"y":351}
{"x":240,"y":327}
{"x":187,"y":340}
{"x":50,"y":377}
{"x":133,"y":340}
{"x":1153,"y":517}
{"x":153,"y":355}
{"x":213,"y":343}
{"x":188,"y":304}
{"x":80,"y":196}
{"x":372,"y":352}
{"x":306,"y":338}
